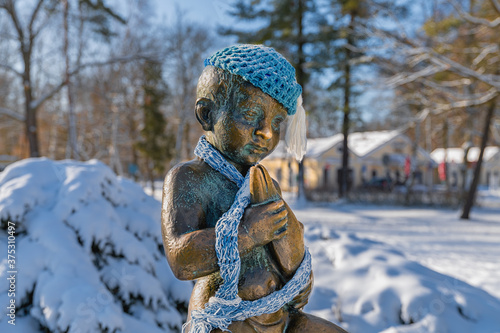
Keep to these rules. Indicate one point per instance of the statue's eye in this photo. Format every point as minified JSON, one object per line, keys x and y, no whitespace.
{"x":277,"y":122}
{"x":250,"y":115}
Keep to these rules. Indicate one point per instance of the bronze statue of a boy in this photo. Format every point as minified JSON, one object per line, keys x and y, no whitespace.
{"x":224,"y":222}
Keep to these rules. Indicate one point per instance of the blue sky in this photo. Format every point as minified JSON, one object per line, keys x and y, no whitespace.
{"x":204,"y":11}
{"x":214,"y":12}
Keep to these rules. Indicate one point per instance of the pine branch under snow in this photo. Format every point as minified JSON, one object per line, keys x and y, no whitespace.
{"x":89,"y":251}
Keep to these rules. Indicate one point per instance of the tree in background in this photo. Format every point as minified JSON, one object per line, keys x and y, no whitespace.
{"x":27,"y":37}
{"x":322,"y":40}
{"x":457,"y":61}
{"x":98,"y":16}
{"x":293,"y":28}
{"x":344,"y":56}
{"x":157,"y":145}
{"x":187,"y":44}
{"x":349,"y":54}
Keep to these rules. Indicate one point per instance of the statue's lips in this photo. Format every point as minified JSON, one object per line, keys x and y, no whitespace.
{"x":257,"y":149}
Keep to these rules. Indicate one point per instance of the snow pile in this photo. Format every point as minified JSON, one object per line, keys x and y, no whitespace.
{"x":368,"y":286}
{"x":488,"y":198}
{"x":89,"y":254}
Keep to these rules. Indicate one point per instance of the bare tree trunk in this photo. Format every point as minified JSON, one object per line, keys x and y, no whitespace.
{"x":428,"y":136}
{"x":413,"y":163}
{"x":71,"y":109}
{"x":463,"y":171}
{"x":469,"y":202}
{"x":113,"y":149}
{"x":151,"y":176}
{"x":26,"y":38}
{"x":53,"y":137}
{"x":446,"y":134}
{"x":343,"y":186}
{"x":187,"y":135}
{"x":31,"y":121}
{"x":135,"y":156}
{"x":179,"y":139}
{"x":301,"y":79}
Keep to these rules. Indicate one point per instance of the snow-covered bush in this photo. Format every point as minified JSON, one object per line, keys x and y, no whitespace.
{"x":88,"y":252}
{"x":370,"y":287}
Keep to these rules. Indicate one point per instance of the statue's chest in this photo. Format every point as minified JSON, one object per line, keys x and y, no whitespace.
{"x":220,"y":193}
{"x":259,"y":274}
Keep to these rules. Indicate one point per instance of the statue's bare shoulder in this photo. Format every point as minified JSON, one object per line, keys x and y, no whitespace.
{"x":182,"y":205}
{"x":189,"y":194}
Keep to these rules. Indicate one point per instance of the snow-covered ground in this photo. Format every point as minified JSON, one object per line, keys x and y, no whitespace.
{"x":437,"y":238}
{"x":489,"y":198}
{"x":434,"y":238}
{"x":85,"y":235}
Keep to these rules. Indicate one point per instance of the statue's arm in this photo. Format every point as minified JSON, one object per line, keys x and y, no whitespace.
{"x":293,"y":242}
{"x":289,"y":250}
{"x":189,"y":246}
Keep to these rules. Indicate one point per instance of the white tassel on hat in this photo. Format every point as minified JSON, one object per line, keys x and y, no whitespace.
{"x":295,"y":138}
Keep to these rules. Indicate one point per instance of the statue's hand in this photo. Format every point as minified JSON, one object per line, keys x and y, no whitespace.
{"x":265,"y":222}
{"x":303,"y":297}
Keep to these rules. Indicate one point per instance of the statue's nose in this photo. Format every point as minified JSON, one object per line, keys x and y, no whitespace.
{"x":264,"y":130}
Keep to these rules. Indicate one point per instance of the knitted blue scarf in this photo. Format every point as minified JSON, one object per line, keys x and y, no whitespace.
{"x":226,"y":306}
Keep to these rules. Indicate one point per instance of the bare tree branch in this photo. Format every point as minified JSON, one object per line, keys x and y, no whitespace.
{"x":11,"y":10}
{"x":472,"y":19}
{"x":493,"y":60}
{"x":439,"y":60}
{"x":496,"y":5}
{"x":481,"y":100}
{"x":490,"y":79}
{"x":489,"y":49}
{"x":453,"y":95}
{"x":455,"y":83}
{"x":11,"y":113}
{"x":110,"y":62}
{"x":36,"y":103}
{"x":33,"y":18}
{"x":404,"y":78}
{"x":41,"y":26}
{"x":11,"y":69}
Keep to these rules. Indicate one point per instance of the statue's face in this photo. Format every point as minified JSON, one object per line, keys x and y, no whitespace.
{"x":250,"y":130}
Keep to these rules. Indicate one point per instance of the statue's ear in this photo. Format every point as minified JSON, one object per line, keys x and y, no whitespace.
{"x":204,"y":110}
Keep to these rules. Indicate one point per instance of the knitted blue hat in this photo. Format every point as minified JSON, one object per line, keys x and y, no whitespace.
{"x":264,"y":68}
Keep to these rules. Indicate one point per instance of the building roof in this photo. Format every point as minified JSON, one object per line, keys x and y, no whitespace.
{"x":359,"y":143}
{"x":317,"y":147}
{"x":363,"y":143}
{"x":457,"y":154}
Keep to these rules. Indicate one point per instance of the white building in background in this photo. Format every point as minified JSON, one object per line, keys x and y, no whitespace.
{"x":454,"y":157}
{"x":377,"y":154}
